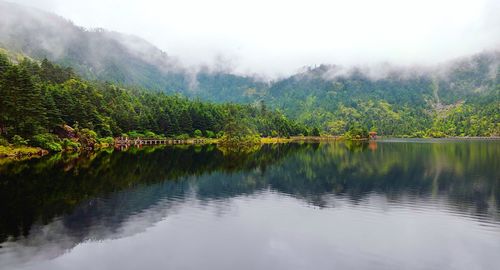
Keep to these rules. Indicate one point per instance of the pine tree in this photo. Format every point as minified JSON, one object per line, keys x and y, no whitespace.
{"x":22,"y":108}
{"x":9,"y":104}
{"x":4,"y":63}
{"x":33,"y":115}
{"x":185,"y":122}
{"x":52,"y":112}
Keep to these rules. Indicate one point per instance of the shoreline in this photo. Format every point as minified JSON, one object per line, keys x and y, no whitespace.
{"x":28,"y":152}
{"x":442,"y":138}
{"x":22,"y":152}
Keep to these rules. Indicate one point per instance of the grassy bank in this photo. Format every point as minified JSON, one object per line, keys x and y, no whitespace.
{"x":21,"y":151}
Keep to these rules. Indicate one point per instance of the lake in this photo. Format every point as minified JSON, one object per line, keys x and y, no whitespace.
{"x":396,"y":204}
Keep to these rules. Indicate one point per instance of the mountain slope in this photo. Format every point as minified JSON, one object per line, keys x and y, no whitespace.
{"x":456,"y":98}
{"x":110,"y":56}
{"x":400,"y":101}
{"x":96,"y":54}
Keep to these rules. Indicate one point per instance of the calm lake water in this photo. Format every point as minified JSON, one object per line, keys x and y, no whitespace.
{"x":418,"y":204}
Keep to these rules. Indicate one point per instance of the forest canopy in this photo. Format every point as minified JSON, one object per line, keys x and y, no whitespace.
{"x":40,"y":97}
{"x":41,"y":102}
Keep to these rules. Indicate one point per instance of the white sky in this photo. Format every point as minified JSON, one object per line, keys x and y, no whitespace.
{"x":277,"y":37}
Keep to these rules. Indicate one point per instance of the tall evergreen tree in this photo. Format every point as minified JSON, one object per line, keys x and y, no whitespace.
{"x":185,"y":122}
{"x":4,"y":63}
{"x":52,"y":112}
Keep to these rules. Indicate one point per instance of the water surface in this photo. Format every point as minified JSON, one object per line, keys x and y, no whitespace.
{"x":420,"y":204}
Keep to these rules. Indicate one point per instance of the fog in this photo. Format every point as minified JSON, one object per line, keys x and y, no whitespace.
{"x":277,"y":38}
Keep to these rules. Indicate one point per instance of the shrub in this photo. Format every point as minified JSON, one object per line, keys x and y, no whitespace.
{"x":418,"y":134}
{"x":236,"y":141}
{"x":107,"y":141}
{"x":197,"y":133}
{"x":47,"y":141}
{"x":238,"y":134}
{"x":70,"y":145}
{"x":436,"y":134}
{"x":87,"y":137}
{"x":183,"y":136}
{"x":3,"y":141}
{"x":149,"y":134}
{"x":209,"y":134}
{"x":19,"y":141}
{"x":135,"y":134}
{"x":356,"y":132}
{"x":315,"y":132}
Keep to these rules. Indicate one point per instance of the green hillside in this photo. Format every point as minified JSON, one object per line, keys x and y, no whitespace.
{"x":457,"y":98}
{"x":46,"y":105}
{"x":460,"y":99}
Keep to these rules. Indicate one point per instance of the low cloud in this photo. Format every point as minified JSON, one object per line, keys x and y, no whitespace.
{"x":276,"y":38}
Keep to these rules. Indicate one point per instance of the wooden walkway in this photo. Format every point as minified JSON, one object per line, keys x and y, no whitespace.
{"x":140,"y":141}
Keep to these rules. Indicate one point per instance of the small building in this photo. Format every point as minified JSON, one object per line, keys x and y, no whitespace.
{"x":372,"y":135}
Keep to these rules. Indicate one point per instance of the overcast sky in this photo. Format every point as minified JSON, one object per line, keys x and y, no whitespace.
{"x":277,"y":37}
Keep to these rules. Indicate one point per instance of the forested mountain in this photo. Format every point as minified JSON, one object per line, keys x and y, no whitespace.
{"x":99,"y":54}
{"x":457,"y":98}
{"x":41,"y":100}
{"x":461,"y":98}
{"x":95,"y":54}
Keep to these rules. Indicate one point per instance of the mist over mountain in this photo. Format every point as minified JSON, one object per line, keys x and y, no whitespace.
{"x":394,"y":99}
{"x":98,"y":54}
{"x":391,"y":99}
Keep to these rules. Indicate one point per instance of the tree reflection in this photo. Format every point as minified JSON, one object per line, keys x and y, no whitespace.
{"x":37,"y":191}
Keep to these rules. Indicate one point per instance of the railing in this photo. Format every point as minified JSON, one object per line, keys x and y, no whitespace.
{"x":146,"y":141}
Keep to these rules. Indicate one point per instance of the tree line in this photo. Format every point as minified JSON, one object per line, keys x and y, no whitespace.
{"x":40,"y":97}
{"x":465,"y":102}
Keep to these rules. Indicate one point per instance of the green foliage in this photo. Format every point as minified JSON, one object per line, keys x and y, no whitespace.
{"x":356,"y":132}
{"x":402,"y":103}
{"x":87,"y":138}
{"x":149,"y":134}
{"x":209,"y":134}
{"x":3,"y":141}
{"x":315,"y":132}
{"x":69,"y":145}
{"x":238,"y":133}
{"x":21,"y":110}
{"x":135,"y":134}
{"x":436,"y":134}
{"x":197,"y":133}
{"x":107,"y":140}
{"x":47,"y":141}
{"x":184,"y":136}
{"x":464,"y":102}
{"x":38,"y":98}
{"x":19,"y":141}
{"x":418,"y":134}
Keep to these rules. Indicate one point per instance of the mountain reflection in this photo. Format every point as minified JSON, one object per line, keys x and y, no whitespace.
{"x":57,"y":202}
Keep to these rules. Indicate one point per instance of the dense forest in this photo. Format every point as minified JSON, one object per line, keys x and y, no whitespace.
{"x":112,"y":83}
{"x":461,"y":99}
{"x":39,"y":98}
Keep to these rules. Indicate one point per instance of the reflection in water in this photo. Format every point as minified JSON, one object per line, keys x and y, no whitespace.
{"x":315,"y":202}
